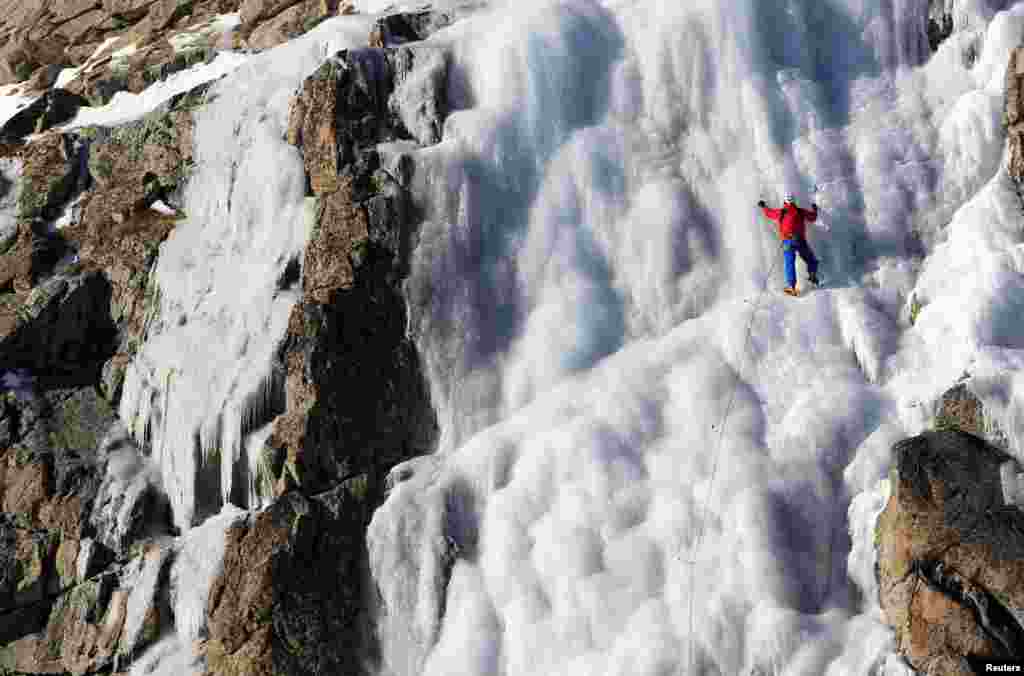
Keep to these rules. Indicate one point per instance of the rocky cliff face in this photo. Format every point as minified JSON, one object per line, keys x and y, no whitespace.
{"x":951,"y":554}
{"x":86,"y":540}
{"x":356,"y":399}
{"x":950,"y":542}
{"x":150,"y":39}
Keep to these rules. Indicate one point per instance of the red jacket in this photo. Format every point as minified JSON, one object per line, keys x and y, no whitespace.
{"x":792,"y":220}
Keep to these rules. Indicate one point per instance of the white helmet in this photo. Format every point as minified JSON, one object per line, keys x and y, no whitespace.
{"x":790,"y":198}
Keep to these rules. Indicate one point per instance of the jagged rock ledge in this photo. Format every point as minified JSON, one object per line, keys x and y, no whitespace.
{"x":951,"y":554}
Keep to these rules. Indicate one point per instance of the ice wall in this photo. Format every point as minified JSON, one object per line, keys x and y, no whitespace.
{"x":657,"y":452}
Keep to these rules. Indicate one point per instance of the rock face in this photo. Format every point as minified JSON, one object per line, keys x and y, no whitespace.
{"x":348,"y":331}
{"x":397,"y":29}
{"x":298,"y":17}
{"x":118,"y":232}
{"x":40,"y":38}
{"x":62,"y":612}
{"x":960,"y":409}
{"x":940,"y":22}
{"x":268,"y":613}
{"x":951,"y":554}
{"x":1013,"y":116}
{"x":350,"y":326}
{"x":84,"y":538}
{"x":76,"y":547}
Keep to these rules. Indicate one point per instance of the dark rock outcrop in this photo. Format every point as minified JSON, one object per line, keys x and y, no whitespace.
{"x":62,"y":605}
{"x":348,"y":331}
{"x":268,"y":615}
{"x":951,"y":554}
{"x":350,"y":326}
{"x":396,"y":29}
{"x":75,"y":534}
{"x":960,"y":409}
{"x":62,"y":327}
{"x":940,"y":22}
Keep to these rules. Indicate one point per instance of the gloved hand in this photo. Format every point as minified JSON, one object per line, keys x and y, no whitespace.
{"x":814,"y":206}
{"x":761,"y":204}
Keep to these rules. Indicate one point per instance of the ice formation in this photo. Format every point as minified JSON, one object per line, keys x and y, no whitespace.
{"x":669,"y":466}
{"x":651,"y":461}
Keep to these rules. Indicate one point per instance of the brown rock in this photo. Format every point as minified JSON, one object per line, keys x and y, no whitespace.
{"x":62,"y":513}
{"x":61,"y":12}
{"x":82,"y":33}
{"x":254,"y":11}
{"x":78,"y":53}
{"x":67,"y":562}
{"x":242,"y":597}
{"x":265,"y":596}
{"x":16,"y":266}
{"x":312,"y":124}
{"x":289,"y":23}
{"x":48,"y":177}
{"x":32,"y":654}
{"x":254,"y":658}
{"x":960,"y":409}
{"x":26,"y":486}
{"x":945,"y":665}
{"x":128,"y":9}
{"x":162,"y":14}
{"x":47,"y":50}
{"x":1013,"y":117}
{"x":950,"y":553}
{"x":81,"y":634}
{"x":34,"y":553}
{"x":940,"y":626}
{"x":328,"y":259}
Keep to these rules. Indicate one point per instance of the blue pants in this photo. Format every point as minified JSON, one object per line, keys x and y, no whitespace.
{"x":792,"y":247}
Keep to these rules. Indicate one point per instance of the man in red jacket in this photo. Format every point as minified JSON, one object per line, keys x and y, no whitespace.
{"x":792,"y":222}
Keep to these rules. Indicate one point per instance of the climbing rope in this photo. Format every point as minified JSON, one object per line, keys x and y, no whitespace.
{"x":692,"y":562}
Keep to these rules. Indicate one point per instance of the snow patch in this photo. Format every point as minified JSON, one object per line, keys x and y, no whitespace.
{"x":11,"y":103}
{"x":125,"y":106}
{"x":161,"y":207}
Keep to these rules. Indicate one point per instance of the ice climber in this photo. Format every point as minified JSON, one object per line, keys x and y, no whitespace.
{"x":792,"y":222}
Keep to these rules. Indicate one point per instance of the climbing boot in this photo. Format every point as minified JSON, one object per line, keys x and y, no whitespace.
{"x":792,"y":291}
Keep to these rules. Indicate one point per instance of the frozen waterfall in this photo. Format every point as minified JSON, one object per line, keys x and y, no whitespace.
{"x":594,"y":290}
